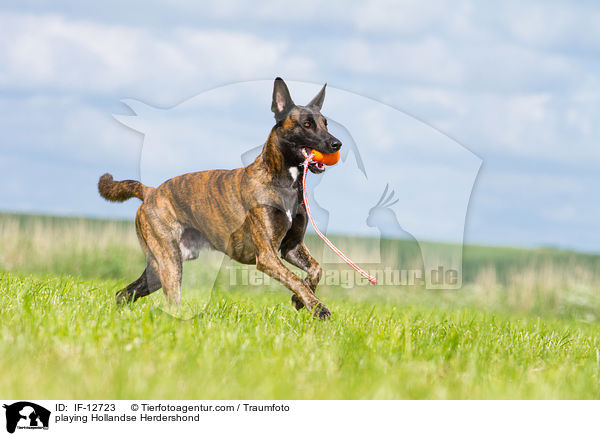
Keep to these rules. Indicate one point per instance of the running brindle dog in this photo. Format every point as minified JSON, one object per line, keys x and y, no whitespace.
{"x":249,"y":213}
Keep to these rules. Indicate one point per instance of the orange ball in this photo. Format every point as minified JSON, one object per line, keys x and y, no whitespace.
{"x":326,"y":158}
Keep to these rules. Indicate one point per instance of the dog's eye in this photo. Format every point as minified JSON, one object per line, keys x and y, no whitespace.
{"x":325,"y":121}
{"x":307,"y":124}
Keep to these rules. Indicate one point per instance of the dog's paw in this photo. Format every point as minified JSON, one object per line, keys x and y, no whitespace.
{"x":296,"y":302}
{"x":321,"y":312}
{"x":123,"y":297}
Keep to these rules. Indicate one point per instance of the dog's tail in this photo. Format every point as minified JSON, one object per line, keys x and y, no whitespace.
{"x":123,"y":190}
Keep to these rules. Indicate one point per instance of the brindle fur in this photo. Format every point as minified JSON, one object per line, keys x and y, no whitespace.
{"x":249,"y":213}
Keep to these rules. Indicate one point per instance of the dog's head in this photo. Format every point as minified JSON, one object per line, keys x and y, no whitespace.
{"x":301,"y":128}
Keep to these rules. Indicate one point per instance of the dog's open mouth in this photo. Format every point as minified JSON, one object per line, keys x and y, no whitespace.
{"x":313,"y":166}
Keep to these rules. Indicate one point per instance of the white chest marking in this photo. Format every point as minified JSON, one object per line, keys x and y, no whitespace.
{"x":289,"y":215}
{"x":294,"y":173}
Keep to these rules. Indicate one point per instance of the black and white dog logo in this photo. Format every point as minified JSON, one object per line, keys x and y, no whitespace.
{"x":26,"y":415}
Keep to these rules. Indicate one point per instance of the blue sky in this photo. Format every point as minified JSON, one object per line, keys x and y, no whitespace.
{"x":516,"y":83}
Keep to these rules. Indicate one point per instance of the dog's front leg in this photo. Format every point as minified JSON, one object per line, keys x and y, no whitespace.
{"x":300,"y":256}
{"x":266,"y":235}
{"x":269,"y":263}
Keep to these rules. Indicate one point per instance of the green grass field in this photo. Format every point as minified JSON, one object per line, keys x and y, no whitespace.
{"x":525,"y":325}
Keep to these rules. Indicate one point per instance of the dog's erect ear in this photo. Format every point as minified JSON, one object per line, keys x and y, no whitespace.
{"x":282,"y":101}
{"x":319,"y":98}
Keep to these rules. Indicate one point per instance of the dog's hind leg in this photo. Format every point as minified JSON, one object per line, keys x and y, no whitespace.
{"x":163,"y":255}
{"x":170,"y":271}
{"x":146,"y":284}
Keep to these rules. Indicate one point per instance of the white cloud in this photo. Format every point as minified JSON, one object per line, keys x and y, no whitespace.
{"x":51,"y":51}
{"x":543,"y":127}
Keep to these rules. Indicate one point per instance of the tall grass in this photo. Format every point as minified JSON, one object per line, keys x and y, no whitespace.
{"x":559,"y":282}
{"x":77,"y":246}
{"x":524,"y":325}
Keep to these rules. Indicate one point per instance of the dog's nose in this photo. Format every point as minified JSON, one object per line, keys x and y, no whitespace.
{"x":336,"y":144}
